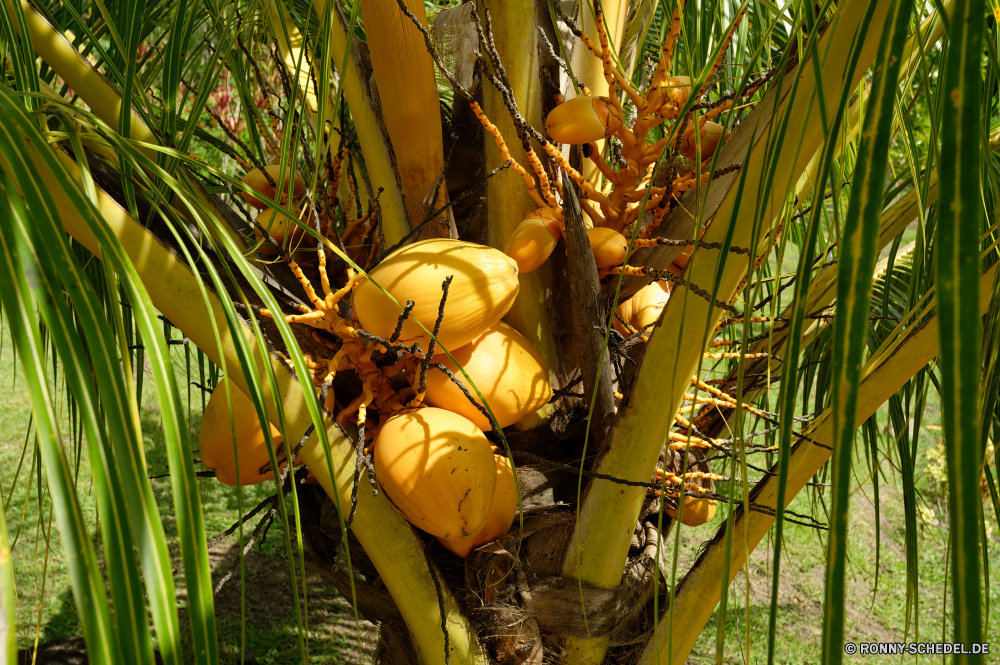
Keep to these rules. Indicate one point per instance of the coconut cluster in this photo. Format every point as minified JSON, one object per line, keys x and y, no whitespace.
{"x":438,"y":367}
{"x":434,"y":463}
{"x":426,"y":400}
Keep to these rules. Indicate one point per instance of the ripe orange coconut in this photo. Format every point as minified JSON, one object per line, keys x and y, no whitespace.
{"x":508,"y":370}
{"x":609,"y":246}
{"x":215,"y":439}
{"x":256,"y":180}
{"x":503,"y":510}
{"x":712,"y":134}
{"x":534,"y":238}
{"x":582,"y":120}
{"x":437,"y":469}
{"x":697,"y":511}
{"x":278,"y":226}
{"x":483,"y":288}
{"x":643,"y":308}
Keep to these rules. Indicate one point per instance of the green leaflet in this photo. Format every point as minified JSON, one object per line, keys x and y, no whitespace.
{"x":113,"y":506}
{"x":956,"y":257}
{"x":88,"y":589}
{"x":856,"y":262}
{"x":8,"y":616}
{"x":191,"y":536}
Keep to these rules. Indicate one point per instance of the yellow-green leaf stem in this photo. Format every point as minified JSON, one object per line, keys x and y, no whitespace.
{"x":640,"y":16}
{"x":856,"y":261}
{"x":956,"y":267}
{"x":603,"y":532}
{"x":8,"y":614}
{"x":390,"y":542}
{"x":375,"y":145}
{"x":52,"y":47}
{"x":533,"y":313}
{"x":698,"y":593}
{"x":404,"y":75}
{"x":300,"y":61}
{"x":297,"y":59}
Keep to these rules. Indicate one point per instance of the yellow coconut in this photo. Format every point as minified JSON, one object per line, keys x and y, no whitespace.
{"x":437,"y":468}
{"x":676,"y":91}
{"x":712,"y":134}
{"x":609,"y":246}
{"x":582,"y":120}
{"x":533,"y":239}
{"x":215,"y":439}
{"x":679,"y":89}
{"x":643,"y":308}
{"x":503,"y":510}
{"x":483,"y":289}
{"x":508,"y":370}
{"x":256,"y":180}
{"x":278,"y":227}
{"x":697,"y":511}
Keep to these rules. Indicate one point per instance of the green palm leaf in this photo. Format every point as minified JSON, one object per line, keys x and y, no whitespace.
{"x":88,"y":588}
{"x":157,"y":567}
{"x":856,"y":261}
{"x":957,"y":264}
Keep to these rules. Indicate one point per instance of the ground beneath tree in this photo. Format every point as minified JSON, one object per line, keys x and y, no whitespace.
{"x":271,"y":627}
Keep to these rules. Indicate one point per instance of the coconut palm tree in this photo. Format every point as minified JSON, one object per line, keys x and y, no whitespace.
{"x":128,"y":128}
